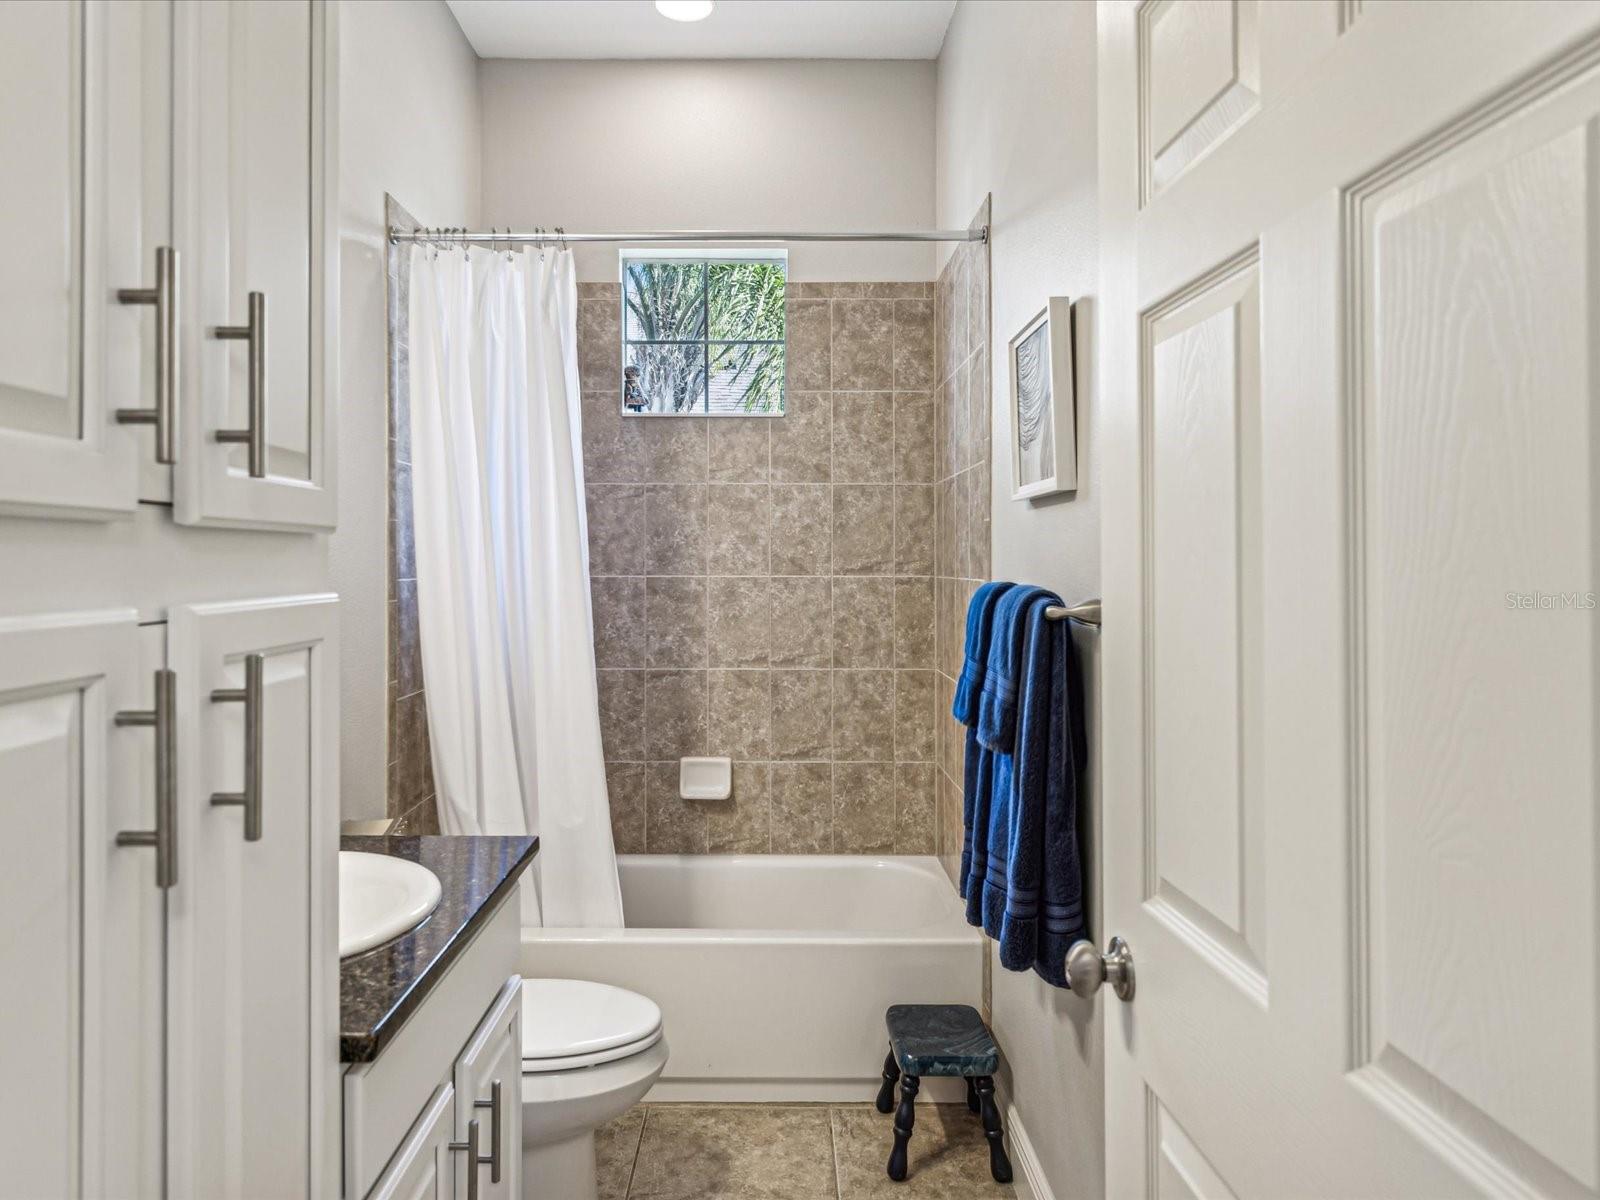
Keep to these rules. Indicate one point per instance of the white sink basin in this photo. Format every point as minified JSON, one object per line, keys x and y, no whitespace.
{"x":380,"y":898}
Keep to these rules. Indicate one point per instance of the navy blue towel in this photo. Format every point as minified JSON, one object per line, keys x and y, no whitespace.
{"x":976,"y":768}
{"x":1062,"y":917}
{"x":1002,"y":679}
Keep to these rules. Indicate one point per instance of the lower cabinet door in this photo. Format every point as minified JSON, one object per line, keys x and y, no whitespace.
{"x":252,"y":923}
{"x":420,"y":1169}
{"x":488,"y":1081}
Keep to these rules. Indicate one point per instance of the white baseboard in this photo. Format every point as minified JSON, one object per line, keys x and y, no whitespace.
{"x":1028,"y":1175}
{"x":936,"y":1089}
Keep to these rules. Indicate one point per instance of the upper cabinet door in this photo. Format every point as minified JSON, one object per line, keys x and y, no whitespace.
{"x":255,"y":87}
{"x":252,"y":924}
{"x":70,"y":194}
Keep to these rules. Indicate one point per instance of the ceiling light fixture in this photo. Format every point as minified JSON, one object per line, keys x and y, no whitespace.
{"x":685,"y":10}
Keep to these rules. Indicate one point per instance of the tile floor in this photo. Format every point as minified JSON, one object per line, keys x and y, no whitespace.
{"x":789,"y":1152}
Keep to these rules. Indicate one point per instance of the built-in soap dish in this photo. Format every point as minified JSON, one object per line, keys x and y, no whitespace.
{"x":705,"y":778}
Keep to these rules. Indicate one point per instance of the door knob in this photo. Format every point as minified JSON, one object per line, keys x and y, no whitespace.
{"x":1087,"y":968}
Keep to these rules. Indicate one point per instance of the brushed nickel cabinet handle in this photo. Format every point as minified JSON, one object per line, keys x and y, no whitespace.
{"x":254,"y":331}
{"x":494,"y":1107}
{"x":164,"y":296}
{"x":473,"y":1157}
{"x":250,"y":695}
{"x":164,"y":837}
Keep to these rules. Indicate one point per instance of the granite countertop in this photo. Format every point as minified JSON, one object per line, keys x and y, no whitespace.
{"x":380,"y":988}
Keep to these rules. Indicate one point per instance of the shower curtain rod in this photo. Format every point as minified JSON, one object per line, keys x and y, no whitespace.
{"x":553,"y":236}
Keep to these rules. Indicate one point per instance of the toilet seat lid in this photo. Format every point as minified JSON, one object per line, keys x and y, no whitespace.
{"x":563,"y":1018}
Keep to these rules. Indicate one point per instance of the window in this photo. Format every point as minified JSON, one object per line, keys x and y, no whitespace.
{"x":703,"y":334}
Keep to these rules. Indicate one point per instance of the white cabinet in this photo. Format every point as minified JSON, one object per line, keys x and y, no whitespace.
{"x":422,"y":1168}
{"x":170,"y":288}
{"x":255,"y":85}
{"x":79,"y":964}
{"x":252,"y":924}
{"x":488,"y":1087}
{"x":70,"y":195}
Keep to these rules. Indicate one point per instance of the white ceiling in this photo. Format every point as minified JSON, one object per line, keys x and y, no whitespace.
{"x":736,"y":29}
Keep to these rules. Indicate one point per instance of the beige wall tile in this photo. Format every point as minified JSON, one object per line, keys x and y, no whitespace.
{"x":913,"y":623}
{"x":915,"y":786}
{"x":802,"y":715}
{"x":913,"y":437}
{"x":739,"y":622}
{"x":948,"y":825}
{"x":863,"y":529}
{"x":978,"y":408}
{"x":913,"y":716}
{"x":614,"y":449}
{"x":802,"y":439}
{"x":742,"y":824}
{"x":863,"y":437}
{"x":675,"y":621}
{"x":740,"y":449}
{"x":944,"y":530}
{"x":802,"y":529}
{"x":978,"y":504}
{"x":675,"y":528}
{"x":739,"y":516}
{"x":913,"y":344}
{"x":739,"y":723}
{"x":599,"y":343}
{"x":802,"y":621}
{"x":678,"y":448}
{"x":619,"y":633}
{"x":913,"y":528}
{"x":863,"y":345}
{"x":621,"y":713}
{"x":808,"y":345}
{"x":673,"y":825}
{"x":675,"y":714}
{"x":863,"y":622}
{"x":616,"y":528}
{"x":863,"y":808}
{"x":863,"y":716}
{"x":961,"y":526}
{"x":802,"y":808}
{"x":625,"y":785}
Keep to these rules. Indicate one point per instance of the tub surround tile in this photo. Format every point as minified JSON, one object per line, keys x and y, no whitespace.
{"x":739,"y":517}
{"x":809,"y":351}
{"x":802,"y":439}
{"x":863,"y":345}
{"x":913,"y":529}
{"x":863,"y":622}
{"x":802,"y":516}
{"x":675,"y":527}
{"x":914,"y":785}
{"x":913,"y":716}
{"x":802,"y":808}
{"x":673,"y":825}
{"x":913,"y":437}
{"x":863,"y":716}
{"x":405,"y":639}
{"x":913,"y":623}
{"x":379,"y":990}
{"x":622,"y":714}
{"x":863,"y":808}
{"x":741,"y":824}
{"x":675,"y":621}
{"x":625,"y":785}
{"x":617,"y":544}
{"x":739,"y":621}
{"x":802,"y":621}
{"x":802,"y":715}
{"x":741,"y":449}
{"x":863,"y":437}
{"x":678,"y":448}
{"x":675,"y":714}
{"x":619,"y":621}
{"x":614,"y":450}
{"x":600,"y":341}
{"x":740,"y":714}
{"x":412,"y":759}
{"x":863,"y":529}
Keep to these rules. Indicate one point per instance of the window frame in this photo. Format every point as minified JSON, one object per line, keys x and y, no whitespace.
{"x":706,"y":259}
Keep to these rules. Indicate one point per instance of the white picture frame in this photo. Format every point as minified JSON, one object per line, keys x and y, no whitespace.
{"x":1044,"y":429}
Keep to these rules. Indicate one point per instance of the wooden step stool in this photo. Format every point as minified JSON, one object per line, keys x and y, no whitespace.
{"x":941,"y":1039}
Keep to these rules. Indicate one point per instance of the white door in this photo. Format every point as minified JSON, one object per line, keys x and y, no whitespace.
{"x":488,"y":1085}
{"x":1351,"y":662}
{"x":255,"y":90}
{"x":70,"y":195}
{"x":81,"y":953}
{"x":252,"y":923}
{"x":422,"y":1169}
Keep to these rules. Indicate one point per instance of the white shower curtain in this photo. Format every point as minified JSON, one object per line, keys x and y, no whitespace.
{"x":502,"y":568}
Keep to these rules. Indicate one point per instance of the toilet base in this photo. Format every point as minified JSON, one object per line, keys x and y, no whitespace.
{"x":561,"y":1170}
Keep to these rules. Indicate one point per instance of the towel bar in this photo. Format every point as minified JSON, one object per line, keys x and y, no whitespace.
{"x":1088,"y":612}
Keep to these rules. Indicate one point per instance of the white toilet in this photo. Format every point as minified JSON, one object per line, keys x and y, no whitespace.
{"x":590,"y":1051}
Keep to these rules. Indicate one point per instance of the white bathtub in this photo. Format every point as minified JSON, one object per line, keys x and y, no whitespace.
{"x":773,"y":971}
